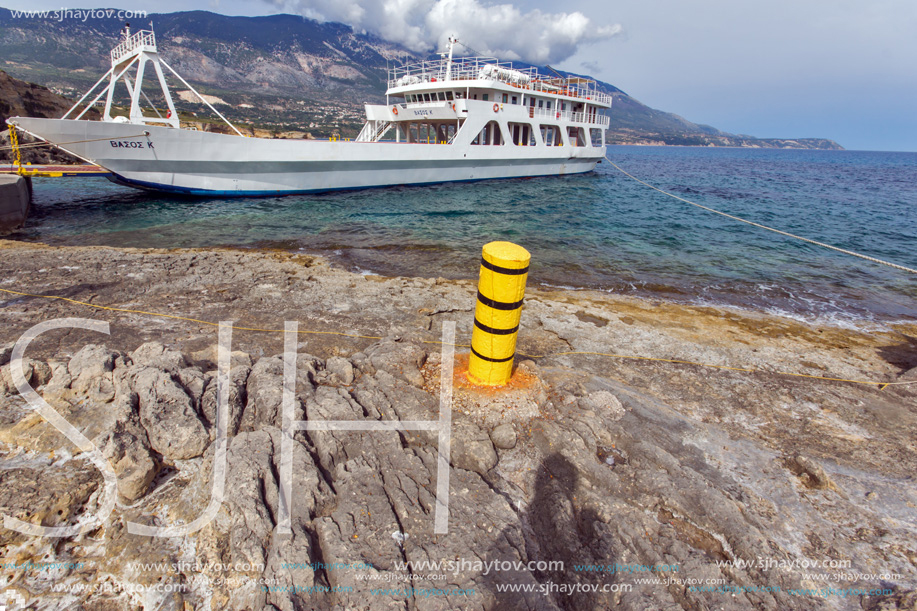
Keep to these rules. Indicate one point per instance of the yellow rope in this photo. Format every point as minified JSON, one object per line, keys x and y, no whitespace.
{"x":172,"y":316}
{"x":727,"y":367}
{"x":881,"y":385}
{"x":17,"y":154}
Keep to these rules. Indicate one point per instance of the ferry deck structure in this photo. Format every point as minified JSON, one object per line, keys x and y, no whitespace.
{"x":452,"y":119}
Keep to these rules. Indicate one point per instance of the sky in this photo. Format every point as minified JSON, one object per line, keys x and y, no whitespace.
{"x":838,"y":69}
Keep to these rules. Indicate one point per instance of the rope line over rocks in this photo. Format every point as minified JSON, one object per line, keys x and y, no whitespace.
{"x":880,"y":385}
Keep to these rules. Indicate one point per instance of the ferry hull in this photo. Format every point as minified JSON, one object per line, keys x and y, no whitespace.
{"x":202,"y":163}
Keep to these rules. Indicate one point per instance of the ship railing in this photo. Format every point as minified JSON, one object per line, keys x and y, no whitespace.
{"x":472,"y":69}
{"x":143,"y":38}
{"x":372,"y":131}
{"x":592,"y":118}
{"x":572,"y":91}
{"x":462,"y":69}
{"x":566,"y":115}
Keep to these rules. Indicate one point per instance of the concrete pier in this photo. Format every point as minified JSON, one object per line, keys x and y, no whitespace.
{"x":15,"y":197}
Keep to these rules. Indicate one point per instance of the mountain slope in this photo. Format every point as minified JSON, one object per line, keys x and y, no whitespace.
{"x":18,"y":98}
{"x":291,"y":72}
{"x":21,"y":98}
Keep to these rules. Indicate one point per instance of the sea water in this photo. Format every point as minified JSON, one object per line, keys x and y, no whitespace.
{"x":599,"y":230}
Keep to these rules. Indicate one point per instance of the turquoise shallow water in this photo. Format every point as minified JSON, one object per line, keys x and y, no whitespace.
{"x":601,"y":230}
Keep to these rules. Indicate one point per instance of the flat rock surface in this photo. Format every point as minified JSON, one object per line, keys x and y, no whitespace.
{"x":686,"y":458}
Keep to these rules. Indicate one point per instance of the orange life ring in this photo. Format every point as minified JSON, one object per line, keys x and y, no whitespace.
{"x":558,"y":114}
{"x":453,"y":108}
{"x":496,"y":108}
{"x":395,"y":110}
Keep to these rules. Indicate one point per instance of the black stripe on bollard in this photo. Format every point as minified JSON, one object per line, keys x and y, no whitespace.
{"x":486,"y":358}
{"x":499,"y":305}
{"x":492,"y":331}
{"x":504,"y":270}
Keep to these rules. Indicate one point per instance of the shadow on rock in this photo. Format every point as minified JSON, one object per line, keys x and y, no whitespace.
{"x":558,"y":528}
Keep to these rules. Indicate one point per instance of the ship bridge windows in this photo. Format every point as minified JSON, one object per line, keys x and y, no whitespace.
{"x":490,"y":135}
{"x":521,"y":134}
{"x":595,"y":135}
{"x":551,"y":135}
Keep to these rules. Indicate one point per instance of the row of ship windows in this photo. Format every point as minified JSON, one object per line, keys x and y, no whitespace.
{"x":448,"y":96}
{"x":520,"y":134}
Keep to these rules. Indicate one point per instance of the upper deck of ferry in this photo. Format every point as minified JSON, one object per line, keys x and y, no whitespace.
{"x":488,"y":72}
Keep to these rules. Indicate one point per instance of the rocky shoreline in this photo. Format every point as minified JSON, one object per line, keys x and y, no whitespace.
{"x":640,"y":469}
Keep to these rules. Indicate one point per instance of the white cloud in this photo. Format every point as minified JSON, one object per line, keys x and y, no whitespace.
{"x":423,"y":25}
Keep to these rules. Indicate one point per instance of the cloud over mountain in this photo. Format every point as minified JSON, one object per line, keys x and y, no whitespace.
{"x":424,"y":25}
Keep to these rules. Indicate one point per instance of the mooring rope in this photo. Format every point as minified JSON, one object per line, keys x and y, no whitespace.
{"x":17,"y":154}
{"x":759,"y":225}
{"x":55,"y":144}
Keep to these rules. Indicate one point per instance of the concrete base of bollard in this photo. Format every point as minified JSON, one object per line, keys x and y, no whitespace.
{"x":15,"y":197}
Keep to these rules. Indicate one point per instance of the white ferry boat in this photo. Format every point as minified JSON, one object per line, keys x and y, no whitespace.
{"x":454,"y":119}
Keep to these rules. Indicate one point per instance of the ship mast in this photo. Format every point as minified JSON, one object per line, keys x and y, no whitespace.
{"x":452,"y":42}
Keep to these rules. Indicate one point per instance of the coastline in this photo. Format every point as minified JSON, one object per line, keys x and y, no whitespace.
{"x":706,"y":463}
{"x":97,"y":267}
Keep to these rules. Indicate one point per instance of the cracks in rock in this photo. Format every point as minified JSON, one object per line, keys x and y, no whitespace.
{"x":276,"y":475}
{"x":262,"y":492}
{"x":317,"y":557}
{"x":559,"y":336}
{"x":449,"y":311}
{"x":495,"y":488}
{"x":404,"y":556}
{"x":325,"y":474}
{"x":353,"y":397}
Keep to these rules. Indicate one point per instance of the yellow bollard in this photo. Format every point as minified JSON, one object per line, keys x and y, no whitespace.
{"x":504,"y":270}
